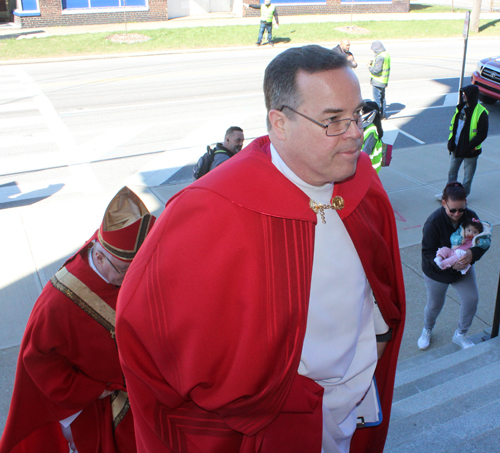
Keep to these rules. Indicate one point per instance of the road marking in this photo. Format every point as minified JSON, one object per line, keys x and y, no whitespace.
{"x":9,"y":95}
{"x":451,"y":100}
{"x":156,"y":104}
{"x":10,"y":141}
{"x":83,"y":179}
{"x":391,"y":134}
{"x":21,"y":122}
{"x":6,"y":108}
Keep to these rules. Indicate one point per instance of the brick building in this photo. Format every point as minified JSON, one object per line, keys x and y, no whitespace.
{"x":49,"y":13}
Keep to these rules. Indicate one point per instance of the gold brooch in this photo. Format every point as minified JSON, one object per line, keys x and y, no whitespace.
{"x":336,"y":203}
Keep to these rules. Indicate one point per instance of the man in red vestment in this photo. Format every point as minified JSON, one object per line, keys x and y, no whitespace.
{"x":248,"y":321}
{"x":69,"y":387}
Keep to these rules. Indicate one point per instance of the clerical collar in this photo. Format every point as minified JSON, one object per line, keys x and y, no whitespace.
{"x":320,"y":197}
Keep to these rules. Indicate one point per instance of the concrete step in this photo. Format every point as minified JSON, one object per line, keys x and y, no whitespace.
{"x":451,"y":403}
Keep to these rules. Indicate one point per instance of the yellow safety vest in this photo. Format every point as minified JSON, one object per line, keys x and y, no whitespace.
{"x":267,"y":13}
{"x":376,"y":155}
{"x":478,"y":110}
{"x":383,"y":77}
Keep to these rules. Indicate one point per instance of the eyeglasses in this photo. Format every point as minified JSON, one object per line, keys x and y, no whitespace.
{"x":118,"y":271}
{"x":338,"y":127}
{"x":455,"y":210}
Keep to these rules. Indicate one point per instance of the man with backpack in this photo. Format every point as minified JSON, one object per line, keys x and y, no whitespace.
{"x":233,"y":143}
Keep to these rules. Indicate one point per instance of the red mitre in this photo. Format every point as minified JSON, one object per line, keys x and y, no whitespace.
{"x":126,"y":223}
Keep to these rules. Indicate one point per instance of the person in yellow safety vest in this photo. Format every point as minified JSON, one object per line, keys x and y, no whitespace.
{"x":380,"y":68}
{"x":468,"y":129}
{"x":267,"y":12}
{"x":372,"y":140}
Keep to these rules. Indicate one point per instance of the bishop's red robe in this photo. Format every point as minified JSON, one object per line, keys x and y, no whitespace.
{"x":66,"y":361}
{"x":212,"y":314}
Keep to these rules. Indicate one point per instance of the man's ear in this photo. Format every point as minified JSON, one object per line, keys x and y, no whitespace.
{"x":99,"y":257}
{"x":278,"y":121}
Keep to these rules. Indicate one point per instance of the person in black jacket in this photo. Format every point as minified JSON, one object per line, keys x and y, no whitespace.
{"x":344,"y":49}
{"x":437,"y":231}
{"x":468,"y":129}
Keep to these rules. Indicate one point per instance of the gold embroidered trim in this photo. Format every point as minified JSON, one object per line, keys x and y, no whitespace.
{"x":85,"y":298}
{"x":74,"y":289}
{"x":120,"y":405}
{"x":336,"y":203}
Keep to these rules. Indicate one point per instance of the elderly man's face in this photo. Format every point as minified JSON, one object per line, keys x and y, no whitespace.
{"x":312,"y":155}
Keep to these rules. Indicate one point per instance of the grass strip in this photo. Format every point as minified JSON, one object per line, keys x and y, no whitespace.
{"x":234,"y":36}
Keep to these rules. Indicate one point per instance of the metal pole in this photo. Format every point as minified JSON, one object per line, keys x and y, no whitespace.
{"x":496,"y":316}
{"x":466,"y":37}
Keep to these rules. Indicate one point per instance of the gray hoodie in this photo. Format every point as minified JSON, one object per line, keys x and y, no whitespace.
{"x":376,"y":67}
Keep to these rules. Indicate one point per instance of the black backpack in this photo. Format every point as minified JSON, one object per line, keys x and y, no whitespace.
{"x":204,"y":163}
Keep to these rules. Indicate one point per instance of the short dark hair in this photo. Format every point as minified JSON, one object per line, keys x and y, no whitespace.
{"x":231,"y":130}
{"x":280,"y":87}
{"x":454,"y":191}
{"x":476,"y":223}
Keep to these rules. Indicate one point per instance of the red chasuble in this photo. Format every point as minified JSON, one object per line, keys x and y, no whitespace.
{"x":212,"y":315}
{"x":66,"y":361}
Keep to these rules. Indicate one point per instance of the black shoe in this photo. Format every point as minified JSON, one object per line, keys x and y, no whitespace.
{"x":257,"y":43}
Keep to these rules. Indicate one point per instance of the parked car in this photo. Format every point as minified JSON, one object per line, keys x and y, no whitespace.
{"x":487,"y":78}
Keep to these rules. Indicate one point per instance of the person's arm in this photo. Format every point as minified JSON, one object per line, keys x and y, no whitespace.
{"x":431,"y":242}
{"x":482,"y":131}
{"x":369,"y":144}
{"x":382,"y":331}
{"x":54,"y":374}
{"x":276,"y":16}
{"x":65,"y":352}
{"x":246,"y":5}
{"x":219,"y":158}
{"x":352,"y":61}
{"x":376,"y":68}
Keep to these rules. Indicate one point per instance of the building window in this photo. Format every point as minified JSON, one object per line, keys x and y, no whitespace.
{"x":28,"y":5}
{"x":79,"y":4}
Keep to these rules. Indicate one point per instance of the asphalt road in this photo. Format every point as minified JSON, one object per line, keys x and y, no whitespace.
{"x":93,"y":125}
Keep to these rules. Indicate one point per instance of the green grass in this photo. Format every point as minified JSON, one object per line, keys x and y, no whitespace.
{"x":232,"y":36}
{"x":422,"y":8}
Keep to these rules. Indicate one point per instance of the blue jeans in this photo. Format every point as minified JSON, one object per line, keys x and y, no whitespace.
{"x":470,"y":164}
{"x":269,"y":28}
{"x":379,"y":98}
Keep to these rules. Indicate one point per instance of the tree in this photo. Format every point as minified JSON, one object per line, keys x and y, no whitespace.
{"x":474,"y":21}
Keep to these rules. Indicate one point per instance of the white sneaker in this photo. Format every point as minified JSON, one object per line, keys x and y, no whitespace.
{"x":439,"y":196}
{"x":425,"y":339}
{"x":462,"y":340}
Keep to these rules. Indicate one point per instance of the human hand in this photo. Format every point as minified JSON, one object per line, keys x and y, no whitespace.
{"x":466,"y":259}
{"x":277,"y":26}
{"x":245,"y":6}
{"x":381,"y":348}
{"x":463,"y":262}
